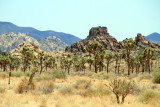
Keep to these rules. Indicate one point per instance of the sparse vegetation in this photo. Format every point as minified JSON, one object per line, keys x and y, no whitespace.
{"x":156,"y":76}
{"x":148,"y":96}
{"x":47,"y":87}
{"x":2,"y":90}
{"x":66,"y":90}
{"x":23,"y":86}
{"x":121,"y":88}
{"x":88,"y":76}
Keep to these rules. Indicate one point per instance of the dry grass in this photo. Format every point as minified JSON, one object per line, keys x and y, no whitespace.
{"x":74,"y":91}
{"x":24,"y":87}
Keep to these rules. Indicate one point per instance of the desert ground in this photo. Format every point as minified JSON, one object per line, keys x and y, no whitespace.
{"x":75,"y":90}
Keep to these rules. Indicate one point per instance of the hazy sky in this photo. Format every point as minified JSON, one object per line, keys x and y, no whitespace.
{"x":124,"y":18}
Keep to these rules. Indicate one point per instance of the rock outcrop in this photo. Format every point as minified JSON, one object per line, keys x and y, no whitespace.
{"x":96,"y":34}
{"x":94,"y":31}
{"x":142,"y":43}
{"x":52,"y":43}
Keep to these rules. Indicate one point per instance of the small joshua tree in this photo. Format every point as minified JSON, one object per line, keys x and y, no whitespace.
{"x":121,"y":88}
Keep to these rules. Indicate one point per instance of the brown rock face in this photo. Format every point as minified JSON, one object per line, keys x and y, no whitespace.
{"x":94,"y":31}
{"x":140,"y":39}
{"x":142,"y":43}
{"x":96,"y":34}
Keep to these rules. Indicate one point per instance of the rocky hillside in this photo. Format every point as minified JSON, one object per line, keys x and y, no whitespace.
{"x":19,"y":48}
{"x":32,"y":32}
{"x":142,"y":43}
{"x":101,"y":35}
{"x":52,"y":43}
{"x":154,"y":37}
{"x":9,"y":41}
{"x":97,"y":34}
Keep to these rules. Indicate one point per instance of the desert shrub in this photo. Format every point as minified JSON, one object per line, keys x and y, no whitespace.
{"x":18,"y":74}
{"x":66,"y":90}
{"x":47,"y":87}
{"x":98,"y":90}
{"x":121,"y":88}
{"x":2,"y":90}
{"x":24,"y":87}
{"x":60,"y":74}
{"x":27,"y":74}
{"x":82,"y":84}
{"x":136,"y":89}
{"x":46,"y":77}
{"x":101,"y":75}
{"x":148,"y":96}
{"x":52,"y":75}
{"x":3,"y":75}
{"x":156,"y":77}
{"x":145,"y":76}
{"x":43,"y":103}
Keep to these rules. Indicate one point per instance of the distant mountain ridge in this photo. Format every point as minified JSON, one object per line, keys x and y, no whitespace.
{"x":10,"y":27}
{"x":154,"y":37}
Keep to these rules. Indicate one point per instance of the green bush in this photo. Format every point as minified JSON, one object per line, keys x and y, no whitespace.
{"x":156,"y":77}
{"x":148,"y":96}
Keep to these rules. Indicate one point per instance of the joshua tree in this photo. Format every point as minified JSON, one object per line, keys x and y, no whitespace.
{"x":117,"y":58}
{"x":41,"y":61}
{"x":142,"y":60}
{"x":137,"y":63}
{"x":27,"y":57}
{"x":90,"y":62}
{"x":14,"y":62}
{"x":129,"y":46}
{"x":67,"y":63}
{"x":108,"y":57}
{"x":132,"y":62}
{"x":149,"y":54}
{"x":4,"y":60}
{"x":95,"y":49}
{"x":49,"y":62}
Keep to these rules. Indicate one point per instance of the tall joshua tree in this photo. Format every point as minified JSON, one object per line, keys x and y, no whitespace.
{"x":149,"y":54}
{"x":108,"y":57}
{"x":95,"y":49}
{"x":129,"y":45}
{"x":41,"y":61}
{"x":4,"y":60}
{"x":117,"y":58}
{"x":27,"y":57}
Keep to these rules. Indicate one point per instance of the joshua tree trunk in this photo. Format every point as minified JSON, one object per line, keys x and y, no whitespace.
{"x":117,"y":97}
{"x":107,"y":66}
{"x":9,"y":78}
{"x":95,"y":65}
{"x":31,"y":78}
{"x":68,"y":70}
{"x":118,"y":68}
